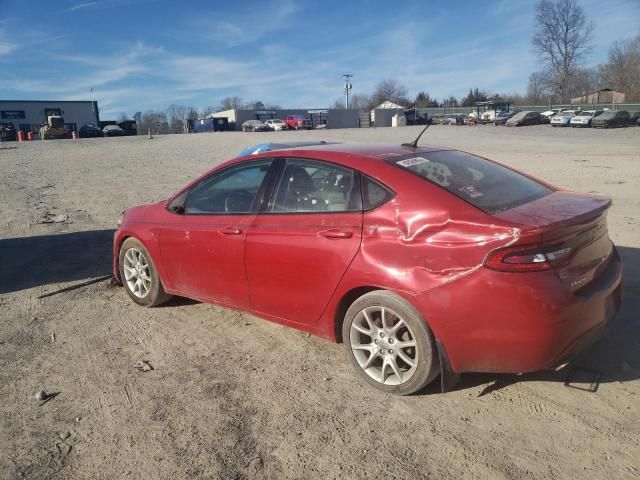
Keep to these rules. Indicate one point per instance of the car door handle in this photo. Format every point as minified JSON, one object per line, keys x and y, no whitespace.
{"x":230,"y":231}
{"x":336,"y":233}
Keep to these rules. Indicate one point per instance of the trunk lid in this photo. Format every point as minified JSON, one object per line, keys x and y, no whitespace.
{"x":573,"y":231}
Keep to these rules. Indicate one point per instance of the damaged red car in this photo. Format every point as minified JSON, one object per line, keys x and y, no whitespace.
{"x":421,"y":260}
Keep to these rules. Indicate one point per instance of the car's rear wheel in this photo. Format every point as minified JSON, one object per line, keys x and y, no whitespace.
{"x":139,"y":275}
{"x":389,"y":343}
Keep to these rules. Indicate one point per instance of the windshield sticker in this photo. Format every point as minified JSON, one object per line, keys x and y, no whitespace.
{"x":410,"y":162}
{"x":471,"y":191}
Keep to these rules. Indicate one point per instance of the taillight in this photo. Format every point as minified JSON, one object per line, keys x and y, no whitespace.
{"x":526,"y":258}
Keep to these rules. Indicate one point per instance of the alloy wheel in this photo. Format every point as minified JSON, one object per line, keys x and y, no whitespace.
{"x":383,"y":345}
{"x":137,"y":273}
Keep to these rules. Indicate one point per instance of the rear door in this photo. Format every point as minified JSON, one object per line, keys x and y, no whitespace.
{"x":300,"y":246}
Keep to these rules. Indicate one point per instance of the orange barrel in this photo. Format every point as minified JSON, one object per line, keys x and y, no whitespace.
{"x":29,"y":136}
{"x":20,"y":136}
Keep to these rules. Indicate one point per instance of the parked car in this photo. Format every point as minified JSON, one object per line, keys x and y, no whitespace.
{"x":545,"y":117}
{"x":584,"y":119}
{"x":562,"y":119}
{"x":297,"y":122}
{"x":610,"y":119}
{"x":113,"y":131}
{"x":502,"y":118}
{"x":90,"y":131}
{"x":634,"y":117}
{"x":338,"y":240}
{"x":276,"y":124}
{"x":255,"y":126}
{"x":8,"y":132}
{"x":523,"y":119}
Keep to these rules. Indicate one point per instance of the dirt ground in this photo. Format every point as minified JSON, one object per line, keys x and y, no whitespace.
{"x":231,"y":396}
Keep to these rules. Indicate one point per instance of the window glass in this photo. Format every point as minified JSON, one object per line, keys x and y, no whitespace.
{"x":373,"y":193}
{"x":230,"y":191}
{"x":311,"y":186}
{"x":486,"y":185}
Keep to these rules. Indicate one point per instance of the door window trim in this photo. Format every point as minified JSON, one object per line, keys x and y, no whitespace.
{"x":266,"y":205}
{"x":257,"y":203}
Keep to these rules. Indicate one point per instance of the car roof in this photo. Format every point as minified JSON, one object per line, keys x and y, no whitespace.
{"x":378,"y":151}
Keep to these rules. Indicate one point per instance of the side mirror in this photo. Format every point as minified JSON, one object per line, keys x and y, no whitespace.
{"x":177,"y":204}
{"x":176,"y":208}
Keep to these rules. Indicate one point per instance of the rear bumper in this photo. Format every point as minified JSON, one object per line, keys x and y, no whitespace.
{"x":497,"y":322}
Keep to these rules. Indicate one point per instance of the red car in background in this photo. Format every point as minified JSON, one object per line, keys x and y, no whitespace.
{"x":298,"y":122}
{"x":422,"y":260}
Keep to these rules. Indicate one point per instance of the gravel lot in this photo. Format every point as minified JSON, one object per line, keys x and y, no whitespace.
{"x":232,"y":396}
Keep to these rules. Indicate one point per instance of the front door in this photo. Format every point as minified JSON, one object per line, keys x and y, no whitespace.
{"x":299,"y":248}
{"x":202,"y":246}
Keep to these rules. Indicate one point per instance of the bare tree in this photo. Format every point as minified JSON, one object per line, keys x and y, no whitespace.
{"x":561,"y":40}
{"x":622,"y":70}
{"x":208,"y":111}
{"x":392,"y":91}
{"x":176,"y":115}
{"x":138,"y":118}
{"x":123,"y":117}
{"x":537,"y":87}
{"x":229,"y":103}
{"x":359,"y":100}
{"x":156,"y":121}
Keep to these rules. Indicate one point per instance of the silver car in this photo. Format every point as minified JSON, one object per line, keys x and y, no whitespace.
{"x":583,"y":119}
{"x":255,"y":126}
{"x":562,"y":119}
{"x":276,"y":124}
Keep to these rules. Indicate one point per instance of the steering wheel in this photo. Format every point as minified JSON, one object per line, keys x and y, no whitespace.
{"x":238,"y":201}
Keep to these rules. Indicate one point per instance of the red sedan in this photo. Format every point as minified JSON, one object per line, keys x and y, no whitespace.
{"x":421,"y":260}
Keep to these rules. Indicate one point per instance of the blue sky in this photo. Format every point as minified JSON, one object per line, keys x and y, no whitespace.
{"x":145,"y":54}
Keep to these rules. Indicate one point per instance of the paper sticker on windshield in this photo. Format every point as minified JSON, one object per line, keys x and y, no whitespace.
{"x":410,"y":162}
{"x":471,"y":191}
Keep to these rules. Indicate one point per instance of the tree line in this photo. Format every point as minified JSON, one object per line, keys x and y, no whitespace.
{"x":173,"y":119}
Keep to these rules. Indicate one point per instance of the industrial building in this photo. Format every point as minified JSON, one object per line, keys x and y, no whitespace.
{"x":28,"y":115}
{"x":604,"y":95}
{"x":329,"y":118}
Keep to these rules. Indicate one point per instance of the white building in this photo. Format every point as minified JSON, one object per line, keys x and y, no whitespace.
{"x":386,"y":105}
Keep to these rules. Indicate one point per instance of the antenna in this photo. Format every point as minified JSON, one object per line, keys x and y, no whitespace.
{"x":414,"y":144}
{"x":347,"y":88}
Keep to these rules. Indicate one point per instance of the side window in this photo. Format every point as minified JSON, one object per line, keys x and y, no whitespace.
{"x":373,"y":193}
{"x":232,"y":191}
{"x":309,"y":186}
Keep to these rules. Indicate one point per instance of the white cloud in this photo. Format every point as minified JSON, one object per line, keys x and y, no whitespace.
{"x":83,"y":5}
{"x":6,"y":48}
{"x":252,"y":25}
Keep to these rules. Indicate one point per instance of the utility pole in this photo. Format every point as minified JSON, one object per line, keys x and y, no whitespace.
{"x":347,"y":88}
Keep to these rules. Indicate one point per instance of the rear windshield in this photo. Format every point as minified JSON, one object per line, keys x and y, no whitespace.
{"x":485,"y":185}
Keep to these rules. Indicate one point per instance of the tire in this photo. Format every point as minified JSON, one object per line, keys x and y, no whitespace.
{"x":151,"y":293}
{"x":409,"y":326}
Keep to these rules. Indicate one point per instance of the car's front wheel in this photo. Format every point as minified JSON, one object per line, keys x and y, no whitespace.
{"x":139,"y":275}
{"x":389,"y":343}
